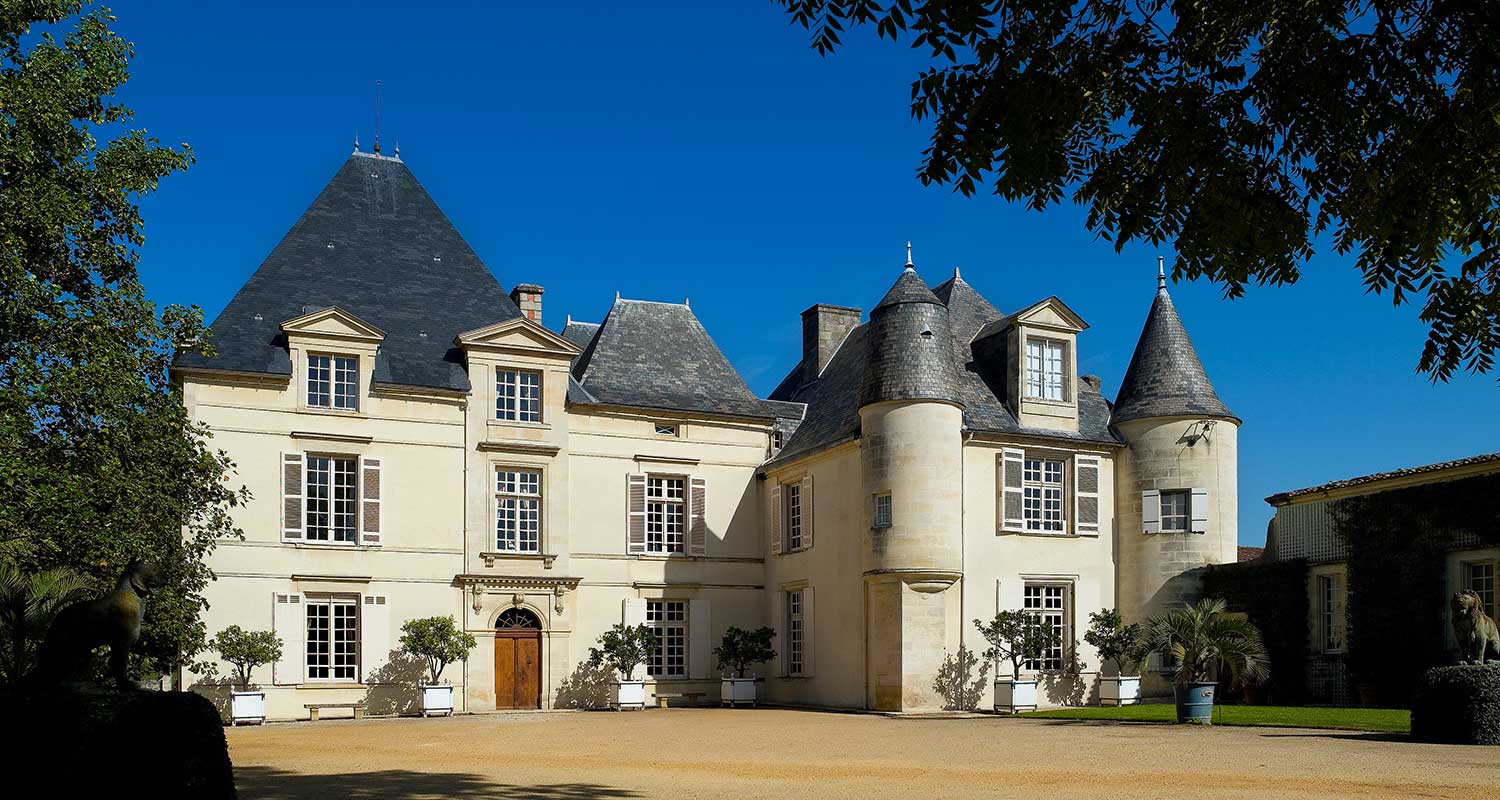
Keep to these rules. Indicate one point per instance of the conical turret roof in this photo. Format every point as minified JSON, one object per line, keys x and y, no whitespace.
{"x":910,"y":355}
{"x":1165,"y":377}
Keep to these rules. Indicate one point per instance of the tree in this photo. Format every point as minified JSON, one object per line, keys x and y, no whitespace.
{"x":1115,"y":641}
{"x":1238,"y":131}
{"x":1016,"y":636}
{"x":438,"y":640}
{"x":623,"y":648}
{"x":246,"y":650}
{"x":741,"y":648}
{"x":1200,"y":639}
{"x":28,"y":604}
{"x":99,"y":462}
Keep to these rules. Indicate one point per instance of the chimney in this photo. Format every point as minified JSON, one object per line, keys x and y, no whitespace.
{"x":823,"y":330}
{"x":528,"y":297}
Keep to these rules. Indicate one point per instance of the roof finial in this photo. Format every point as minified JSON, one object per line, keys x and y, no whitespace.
{"x":356,"y":141}
{"x":687,"y":302}
{"x":377,"y":118}
{"x":956,"y":273}
{"x":908,"y":254}
{"x":617,"y":295}
{"x":1161,"y":274}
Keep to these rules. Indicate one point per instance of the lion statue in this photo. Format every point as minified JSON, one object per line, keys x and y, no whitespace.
{"x":1475,"y":631}
{"x":113,"y":620}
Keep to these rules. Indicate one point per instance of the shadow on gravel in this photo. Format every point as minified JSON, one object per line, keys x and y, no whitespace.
{"x":1356,"y":736}
{"x":265,"y":783}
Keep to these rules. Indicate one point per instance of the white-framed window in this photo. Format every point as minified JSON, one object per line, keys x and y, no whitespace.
{"x":792,"y":498}
{"x":778,"y":439}
{"x":518,"y":395}
{"x":667,"y":429}
{"x":666,"y":513}
{"x":882,"y":515}
{"x":1049,"y":602}
{"x":332,"y":501}
{"x":1330,"y":607}
{"x":1479,"y":576}
{"x":796,"y":631}
{"x":518,"y":510}
{"x":333,"y":382}
{"x":1042,"y":494}
{"x":1176,"y":505}
{"x":1044,"y":369}
{"x":668,"y":620}
{"x":332,"y":638}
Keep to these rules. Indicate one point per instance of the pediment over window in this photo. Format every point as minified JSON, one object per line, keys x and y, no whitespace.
{"x":334,"y":322}
{"x":1051,"y":313}
{"x":518,"y":334}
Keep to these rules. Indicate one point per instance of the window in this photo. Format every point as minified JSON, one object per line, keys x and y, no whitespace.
{"x":332,"y":499}
{"x":793,"y":494}
{"x":1330,"y":609}
{"x":882,"y":518}
{"x":332,"y":639}
{"x":1480,"y":577}
{"x":1049,"y":601}
{"x":1042,"y":495}
{"x":518,"y":395}
{"x":795,"y":631}
{"x":1044,"y":369}
{"x":668,"y":620}
{"x":666,"y":429}
{"x":665,"y":512}
{"x":1174,"y":509}
{"x":333,"y":382}
{"x":518,"y":510}
{"x":777,"y":440}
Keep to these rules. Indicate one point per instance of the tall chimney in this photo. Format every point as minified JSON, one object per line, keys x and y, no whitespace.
{"x":528,"y":297}
{"x":823,"y":330}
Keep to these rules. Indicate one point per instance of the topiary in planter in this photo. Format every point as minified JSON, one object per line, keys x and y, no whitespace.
{"x":1457,"y":705}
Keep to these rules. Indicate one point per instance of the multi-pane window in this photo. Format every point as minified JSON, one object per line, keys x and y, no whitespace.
{"x":1480,"y":577}
{"x":332,"y":639}
{"x":1049,"y":602}
{"x":518,"y":395}
{"x":665,"y":512}
{"x":1044,"y":369}
{"x":1042,"y":495}
{"x":1174,"y":509}
{"x":793,"y":494}
{"x":333,"y":382}
{"x":668,"y":620}
{"x":518,"y":510}
{"x":882,"y":510}
{"x":332,"y":499}
{"x":795,"y":633}
{"x":1330,"y":606}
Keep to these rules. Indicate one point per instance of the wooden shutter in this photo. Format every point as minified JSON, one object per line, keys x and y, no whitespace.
{"x":1011,"y":472}
{"x":700,"y":639}
{"x":1199,"y":508}
{"x":809,"y":632}
{"x":293,"y":483}
{"x":778,"y":624}
{"x":374,"y":638}
{"x":633,"y":612}
{"x":1085,"y":494}
{"x":1151,"y":511}
{"x":635,"y":513}
{"x":776,"y":512}
{"x":289,"y":623}
{"x":369,"y":501}
{"x":698,"y":513}
{"x":806,"y":498}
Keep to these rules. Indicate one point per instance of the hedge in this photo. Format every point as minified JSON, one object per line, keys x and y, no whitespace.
{"x":1457,"y":705}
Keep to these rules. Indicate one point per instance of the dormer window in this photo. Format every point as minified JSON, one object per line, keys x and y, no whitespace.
{"x":518,"y":395}
{"x":333,"y":382}
{"x":1044,"y":369}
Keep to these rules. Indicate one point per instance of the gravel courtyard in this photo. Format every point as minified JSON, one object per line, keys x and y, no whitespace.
{"x":714,"y":753}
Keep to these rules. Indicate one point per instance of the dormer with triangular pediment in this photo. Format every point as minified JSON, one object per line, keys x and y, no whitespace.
{"x":518,"y":378}
{"x":333,"y":356}
{"x":1031,"y":359}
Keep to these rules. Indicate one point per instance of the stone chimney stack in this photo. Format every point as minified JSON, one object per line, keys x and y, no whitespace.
{"x":528,"y":297}
{"x":823,"y":330}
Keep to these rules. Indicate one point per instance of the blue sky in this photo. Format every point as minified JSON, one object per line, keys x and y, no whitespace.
{"x":702,"y":150}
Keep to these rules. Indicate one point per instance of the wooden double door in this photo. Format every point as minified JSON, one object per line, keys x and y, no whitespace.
{"x":518,"y":669}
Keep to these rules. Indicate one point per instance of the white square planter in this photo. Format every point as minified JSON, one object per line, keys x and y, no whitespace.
{"x":1123,"y":690}
{"x":1015,"y":695}
{"x":737,"y":691}
{"x":247,"y":708}
{"x":437,"y":699}
{"x":627,"y":694}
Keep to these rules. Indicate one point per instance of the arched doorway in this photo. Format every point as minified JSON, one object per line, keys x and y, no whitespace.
{"x":518,"y":659}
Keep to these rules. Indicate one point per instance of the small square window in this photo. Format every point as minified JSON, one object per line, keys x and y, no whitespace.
{"x":882,"y":517}
{"x":518,"y":395}
{"x":1174,"y":509}
{"x":666,"y":429}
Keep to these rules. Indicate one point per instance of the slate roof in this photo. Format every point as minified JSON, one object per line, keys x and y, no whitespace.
{"x":910,"y":346}
{"x":370,"y":244}
{"x":1488,"y":458}
{"x":657,"y":355}
{"x":580,"y":333}
{"x":1165,"y":377}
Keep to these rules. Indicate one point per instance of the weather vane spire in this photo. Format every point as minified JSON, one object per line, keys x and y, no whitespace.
{"x":908,"y":253}
{"x":1161,"y":273}
{"x":377,"y":117}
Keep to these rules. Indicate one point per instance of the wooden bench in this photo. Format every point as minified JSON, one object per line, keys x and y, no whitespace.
{"x":691,"y":697}
{"x":314,"y":708}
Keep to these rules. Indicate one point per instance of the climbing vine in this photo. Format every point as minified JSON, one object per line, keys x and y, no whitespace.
{"x":1273,"y":595}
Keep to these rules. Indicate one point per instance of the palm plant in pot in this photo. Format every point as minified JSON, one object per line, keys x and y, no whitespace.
{"x":1115,"y":641}
{"x":623,"y":648}
{"x":1200,"y":640}
{"x":246,"y":650}
{"x":439,"y":642}
{"x":738,"y":650}
{"x":1017,"y":637}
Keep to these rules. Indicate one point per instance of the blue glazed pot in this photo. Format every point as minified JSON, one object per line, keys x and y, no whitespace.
{"x":1195,"y":702}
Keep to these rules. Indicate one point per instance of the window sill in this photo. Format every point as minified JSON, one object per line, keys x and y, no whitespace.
{"x":663,"y":556}
{"x":329,"y":545}
{"x":1042,"y":401}
{"x":1160,"y":533}
{"x":351,"y":413}
{"x":509,"y":423}
{"x":326,"y":685}
{"x":1045,"y":535}
{"x":491,"y":556}
{"x":793,"y":551}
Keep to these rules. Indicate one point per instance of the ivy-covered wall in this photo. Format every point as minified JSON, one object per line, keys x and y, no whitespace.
{"x":1273,"y":594}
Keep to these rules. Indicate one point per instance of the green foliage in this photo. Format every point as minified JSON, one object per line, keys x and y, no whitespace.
{"x":1457,"y":705}
{"x":1237,"y":132}
{"x":1273,"y":595}
{"x":246,"y":650}
{"x":956,"y":682}
{"x":1200,"y":639}
{"x":28,"y":603}
{"x":1385,"y":720}
{"x":623,"y":648}
{"x":741,"y":648}
{"x":438,"y":640}
{"x":1016,"y":636}
{"x":99,"y":462}
{"x":1115,"y":641}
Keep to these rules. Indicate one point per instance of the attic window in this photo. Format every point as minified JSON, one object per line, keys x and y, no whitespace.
{"x":1044,"y":369}
{"x":333,"y":382}
{"x":667,"y":429}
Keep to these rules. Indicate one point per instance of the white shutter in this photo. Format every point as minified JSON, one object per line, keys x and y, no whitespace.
{"x":700,"y":639}
{"x":778,"y":622}
{"x":1151,"y":511}
{"x":635,"y":513}
{"x":809,"y":633}
{"x":634,"y":612}
{"x":289,"y":623}
{"x":776,"y":512}
{"x":293,"y":490}
{"x":698,"y":517}
{"x":1086,"y":494}
{"x":805,"y":495}
{"x":1199,"y":510}
{"x":1012,"y":469}
{"x":369,"y":501}
{"x":374,"y":638}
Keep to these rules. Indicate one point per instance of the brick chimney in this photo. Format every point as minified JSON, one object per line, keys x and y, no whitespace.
{"x":823,"y":330}
{"x":528,"y":297}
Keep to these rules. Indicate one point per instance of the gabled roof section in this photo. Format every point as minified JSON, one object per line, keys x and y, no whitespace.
{"x":580,"y":333}
{"x":519,"y":334}
{"x":333,"y":322}
{"x":658,"y":356}
{"x":1165,"y":377}
{"x":375,"y":245}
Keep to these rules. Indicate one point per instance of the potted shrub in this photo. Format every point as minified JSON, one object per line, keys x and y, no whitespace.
{"x":1115,"y":641}
{"x":1200,"y":640}
{"x":246,"y":650}
{"x":623,"y":648}
{"x":738,"y":650}
{"x":439,"y":642}
{"x":1016,"y":636}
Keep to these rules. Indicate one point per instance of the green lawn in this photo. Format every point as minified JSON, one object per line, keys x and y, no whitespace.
{"x":1385,"y":720}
